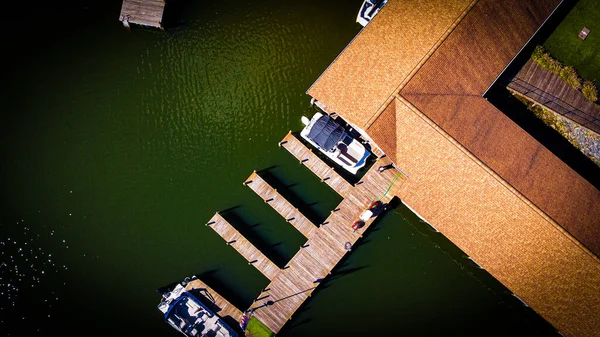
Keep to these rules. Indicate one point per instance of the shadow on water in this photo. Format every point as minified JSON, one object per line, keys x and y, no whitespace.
{"x":211,"y":278}
{"x":295,"y":324}
{"x":245,"y":229}
{"x":502,"y":99}
{"x":173,"y":15}
{"x":305,"y":207}
{"x":342,"y":269}
{"x":477,"y":272}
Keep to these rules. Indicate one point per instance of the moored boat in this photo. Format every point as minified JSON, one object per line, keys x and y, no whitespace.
{"x":327,"y":135}
{"x":188,"y":315}
{"x":368,"y":10}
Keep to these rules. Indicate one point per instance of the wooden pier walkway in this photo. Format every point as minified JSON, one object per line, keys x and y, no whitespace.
{"x":233,"y":238}
{"x":326,"y":245}
{"x":316,"y":165}
{"x":280,"y":204}
{"x":225,"y":308}
{"x":325,"y":248}
{"x":142,"y":12}
{"x":549,"y":90}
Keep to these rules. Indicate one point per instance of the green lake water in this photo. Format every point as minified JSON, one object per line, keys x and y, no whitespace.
{"x":117,"y":146}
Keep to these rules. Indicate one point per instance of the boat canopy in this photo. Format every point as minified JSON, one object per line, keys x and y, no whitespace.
{"x":326,"y":132}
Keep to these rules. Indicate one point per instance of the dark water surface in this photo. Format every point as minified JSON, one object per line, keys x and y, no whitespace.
{"x":117,"y":146}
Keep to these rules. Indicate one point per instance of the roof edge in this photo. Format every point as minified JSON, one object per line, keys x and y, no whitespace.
{"x":421,"y":63}
{"x":497,"y":177}
{"x":523,"y":47}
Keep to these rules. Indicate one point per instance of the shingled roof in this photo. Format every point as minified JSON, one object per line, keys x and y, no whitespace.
{"x":484,"y":182}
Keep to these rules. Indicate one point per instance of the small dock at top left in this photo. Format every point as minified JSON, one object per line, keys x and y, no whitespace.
{"x":142,"y":12}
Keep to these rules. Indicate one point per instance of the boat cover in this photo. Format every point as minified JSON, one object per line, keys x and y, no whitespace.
{"x":326,"y":132}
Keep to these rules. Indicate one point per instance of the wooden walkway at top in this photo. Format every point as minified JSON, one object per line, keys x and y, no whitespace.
{"x":226,"y":308}
{"x":233,"y":238}
{"x":325,"y":248}
{"x":142,"y":12}
{"x":316,"y":165}
{"x":549,"y":90}
{"x":280,"y":204}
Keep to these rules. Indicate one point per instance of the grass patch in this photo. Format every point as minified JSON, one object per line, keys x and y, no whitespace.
{"x":566,"y":46}
{"x":567,"y":74}
{"x":258,"y":329}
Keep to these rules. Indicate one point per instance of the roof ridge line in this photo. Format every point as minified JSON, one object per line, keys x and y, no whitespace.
{"x":420,"y":64}
{"x":497,"y":177}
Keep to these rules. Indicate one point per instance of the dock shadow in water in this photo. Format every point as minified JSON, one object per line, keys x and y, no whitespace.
{"x":211,"y":278}
{"x":246,"y":230}
{"x":475,"y":271}
{"x":173,"y":15}
{"x":303,"y":207}
{"x":267,"y":169}
{"x":299,"y":323}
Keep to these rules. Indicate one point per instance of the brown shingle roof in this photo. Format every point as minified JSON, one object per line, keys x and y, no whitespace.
{"x":384,"y":131}
{"x":520,"y":160}
{"x":382,"y":56}
{"x":483,"y":181}
{"x":468,"y":61}
{"x":489,"y":221}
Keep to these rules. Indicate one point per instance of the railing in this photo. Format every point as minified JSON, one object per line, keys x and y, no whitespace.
{"x":555,"y":104}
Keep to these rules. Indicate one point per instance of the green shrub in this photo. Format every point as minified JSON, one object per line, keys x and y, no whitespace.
{"x":569,"y":75}
{"x":549,"y":63}
{"x":590,"y":91}
{"x":538,"y":52}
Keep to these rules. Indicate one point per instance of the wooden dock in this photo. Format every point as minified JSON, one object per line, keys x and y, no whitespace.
{"x":142,"y":12}
{"x":306,"y":157}
{"x":326,"y":245}
{"x":325,"y":248}
{"x":280,"y":204}
{"x":226,"y":309}
{"x":233,"y":238}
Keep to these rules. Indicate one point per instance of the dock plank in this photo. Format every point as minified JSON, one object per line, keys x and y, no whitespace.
{"x":225,"y":308}
{"x":290,"y":286}
{"x":306,"y":157}
{"x":146,"y":12}
{"x":325,"y":247}
{"x":280,"y":204}
{"x":236,"y":240}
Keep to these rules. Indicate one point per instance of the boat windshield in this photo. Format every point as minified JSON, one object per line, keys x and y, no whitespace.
{"x":326,"y":132}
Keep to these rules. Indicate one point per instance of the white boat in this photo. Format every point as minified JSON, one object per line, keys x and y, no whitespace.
{"x":186,"y":314}
{"x":324,"y":133}
{"x":368,"y":10}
